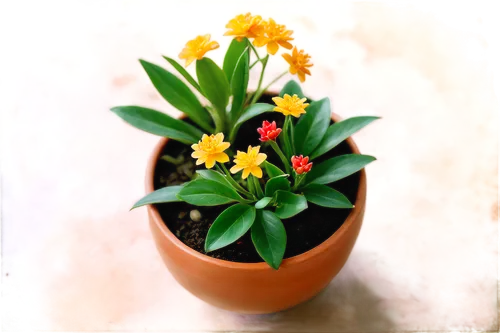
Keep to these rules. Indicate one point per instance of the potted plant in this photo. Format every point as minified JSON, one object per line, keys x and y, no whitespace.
{"x":244,"y":193}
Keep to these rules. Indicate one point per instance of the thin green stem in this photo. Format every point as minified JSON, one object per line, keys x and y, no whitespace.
{"x":298,"y":180}
{"x":286,"y":137}
{"x":237,"y":186}
{"x":218,"y":121}
{"x":259,"y":93}
{"x":258,"y":188}
{"x":292,"y":136}
{"x":255,"y":51}
{"x":261,"y":78}
{"x":284,"y":160}
{"x":255,"y":63}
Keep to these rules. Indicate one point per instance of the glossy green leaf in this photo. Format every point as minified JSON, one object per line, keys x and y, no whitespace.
{"x":205,"y":192}
{"x":165,"y":194}
{"x":229,"y":226}
{"x":269,"y":237}
{"x":289,"y":204}
{"x":214,"y":175}
{"x":239,"y":84}
{"x":277,"y":183}
{"x":325,"y":196}
{"x":158,"y":123}
{"x":250,"y":112}
{"x":177,"y":94}
{"x":272,"y":170}
{"x":291,"y":88}
{"x":262,"y":203}
{"x":233,"y":54}
{"x":213,"y":83}
{"x":340,"y":131}
{"x":184,"y":73}
{"x":312,"y":126}
{"x":337,"y":168}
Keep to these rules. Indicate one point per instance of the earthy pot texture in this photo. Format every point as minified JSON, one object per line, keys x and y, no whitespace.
{"x":255,"y":287}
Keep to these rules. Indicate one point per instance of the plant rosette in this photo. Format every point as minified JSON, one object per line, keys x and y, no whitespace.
{"x":259,"y":196}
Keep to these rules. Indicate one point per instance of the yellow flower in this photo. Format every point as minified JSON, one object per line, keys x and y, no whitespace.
{"x":290,"y":105}
{"x":299,"y":63}
{"x":196,"y":48}
{"x":210,"y":149}
{"x":274,"y":35}
{"x":249,"y":162}
{"x":245,"y":26}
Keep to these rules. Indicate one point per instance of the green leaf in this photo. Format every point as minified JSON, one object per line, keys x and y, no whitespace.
{"x":337,"y":168}
{"x":291,"y":88}
{"x":204,"y":192}
{"x":165,"y":194}
{"x":262,"y":203}
{"x":250,"y":112}
{"x":213,"y":83}
{"x":215,"y":176}
{"x":184,"y":73}
{"x":289,"y":204}
{"x":325,"y":196}
{"x":177,"y":94}
{"x":233,"y":54}
{"x":340,"y":131}
{"x":272,"y":170}
{"x":158,"y":123}
{"x":269,"y":238}
{"x":239,"y":84}
{"x":229,"y":226}
{"x":277,"y":183}
{"x":312,"y":126}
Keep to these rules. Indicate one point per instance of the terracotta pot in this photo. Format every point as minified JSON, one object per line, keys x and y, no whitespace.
{"x":255,"y":287}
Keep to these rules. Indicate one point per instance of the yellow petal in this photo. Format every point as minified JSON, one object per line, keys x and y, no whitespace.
{"x":198,"y":154}
{"x":256,"y":171}
{"x":260,"y":158}
{"x":236,"y":168}
{"x":285,"y":44}
{"x":221,"y":147}
{"x":221,"y":157}
{"x":209,"y":164}
{"x":219,"y":137}
{"x":278,"y":100}
{"x":302,"y":76}
{"x":195,"y":147}
{"x":245,"y":174}
{"x":272,"y":47}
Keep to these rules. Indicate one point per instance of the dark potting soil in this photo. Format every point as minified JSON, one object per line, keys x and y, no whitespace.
{"x":304,"y":231}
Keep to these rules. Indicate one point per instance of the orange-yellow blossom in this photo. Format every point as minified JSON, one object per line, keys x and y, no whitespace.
{"x":299,"y":63}
{"x":196,"y":48}
{"x":273,"y":36}
{"x":245,"y":26}
{"x":249,"y":162}
{"x":210,"y":149}
{"x":290,"y":105}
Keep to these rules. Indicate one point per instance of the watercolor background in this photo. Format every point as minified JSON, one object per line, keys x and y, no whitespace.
{"x":75,"y":259}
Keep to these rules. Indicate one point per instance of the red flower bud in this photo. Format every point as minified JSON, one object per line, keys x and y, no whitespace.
{"x":268,"y":131}
{"x":300,"y":164}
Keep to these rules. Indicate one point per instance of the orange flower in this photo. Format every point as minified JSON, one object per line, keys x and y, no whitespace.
{"x":299,"y":63}
{"x":274,"y":35}
{"x":245,"y":26}
{"x":196,"y":49}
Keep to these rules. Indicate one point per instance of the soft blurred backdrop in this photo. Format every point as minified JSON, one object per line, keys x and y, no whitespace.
{"x":75,"y":259}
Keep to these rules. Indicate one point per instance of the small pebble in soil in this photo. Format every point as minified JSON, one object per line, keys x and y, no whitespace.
{"x":195,"y":215}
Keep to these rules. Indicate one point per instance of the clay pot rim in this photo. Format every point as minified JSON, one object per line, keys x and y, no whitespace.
{"x":356,"y":211}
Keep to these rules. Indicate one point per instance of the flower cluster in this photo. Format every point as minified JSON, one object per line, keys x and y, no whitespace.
{"x":266,"y":183}
{"x":262,"y":33}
